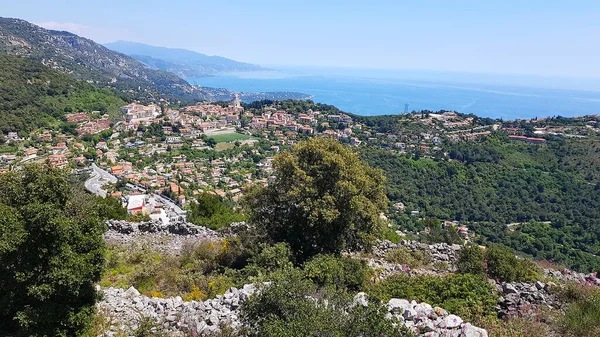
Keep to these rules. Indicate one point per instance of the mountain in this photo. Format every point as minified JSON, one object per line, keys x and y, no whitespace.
{"x":87,"y":60}
{"x":185,"y":63}
{"x":34,"y":95}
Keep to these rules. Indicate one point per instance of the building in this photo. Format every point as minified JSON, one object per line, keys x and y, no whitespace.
{"x":136,"y":203}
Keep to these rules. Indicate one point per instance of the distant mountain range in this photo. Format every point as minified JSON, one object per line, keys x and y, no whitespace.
{"x":185,"y":63}
{"x":87,"y":60}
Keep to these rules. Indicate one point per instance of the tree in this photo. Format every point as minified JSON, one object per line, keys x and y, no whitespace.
{"x":210,"y":211}
{"x":51,"y":253}
{"x":324,"y":200}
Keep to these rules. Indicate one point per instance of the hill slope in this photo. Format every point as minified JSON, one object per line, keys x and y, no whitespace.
{"x":82,"y":58}
{"x":34,"y":95}
{"x":185,"y":63}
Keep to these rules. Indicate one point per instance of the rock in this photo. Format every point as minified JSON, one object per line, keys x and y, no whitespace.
{"x":509,"y":289}
{"x":451,"y":322}
{"x":540,"y":285}
{"x":360,"y":299}
{"x":132,"y":292}
{"x":398,"y":306}
{"x":469,"y":330}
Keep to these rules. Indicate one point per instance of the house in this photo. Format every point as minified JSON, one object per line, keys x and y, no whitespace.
{"x":57,"y":161}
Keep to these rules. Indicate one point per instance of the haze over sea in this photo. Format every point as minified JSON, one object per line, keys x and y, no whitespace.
{"x":380,"y":92}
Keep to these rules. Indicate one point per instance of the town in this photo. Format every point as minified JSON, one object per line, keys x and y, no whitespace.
{"x":156,"y":159}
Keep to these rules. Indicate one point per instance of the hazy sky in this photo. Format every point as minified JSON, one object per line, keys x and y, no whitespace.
{"x":536,"y":37}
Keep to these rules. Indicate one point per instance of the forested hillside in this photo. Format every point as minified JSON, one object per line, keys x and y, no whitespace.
{"x":36,"y":96}
{"x":494,"y":183}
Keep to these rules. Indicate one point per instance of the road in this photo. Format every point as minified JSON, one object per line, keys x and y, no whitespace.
{"x":99,"y":178}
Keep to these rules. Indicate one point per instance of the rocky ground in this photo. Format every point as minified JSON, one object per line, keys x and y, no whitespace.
{"x":127,"y":307}
{"x":178,"y":318}
{"x":163,"y":238}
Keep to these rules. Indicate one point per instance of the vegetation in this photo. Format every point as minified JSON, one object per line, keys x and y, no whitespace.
{"x":36,"y":96}
{"x":498,"y":263}
{"x":407,"y":257}
{"x":212,"y":212}
{"x":287,"y":308}
{"x":323,"y":200}
{"x":51,"y":253}
{"x":494,"y":183}
{"x":468,"y":296}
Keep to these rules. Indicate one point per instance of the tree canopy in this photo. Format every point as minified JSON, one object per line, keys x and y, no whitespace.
{"x":323,"y":200}
{"x":51,"y":253}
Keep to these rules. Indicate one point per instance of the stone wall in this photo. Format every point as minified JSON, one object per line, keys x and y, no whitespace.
{"x":178,"y":317}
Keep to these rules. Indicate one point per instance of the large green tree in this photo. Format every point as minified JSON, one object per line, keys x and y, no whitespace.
{"x":51,"y":253}
{"x":323,"y":200}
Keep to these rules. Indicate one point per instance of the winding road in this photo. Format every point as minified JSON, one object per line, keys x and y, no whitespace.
{"x":99,"y":178}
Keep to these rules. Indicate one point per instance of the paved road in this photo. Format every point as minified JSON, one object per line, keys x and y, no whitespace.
{"x":99,"y":178}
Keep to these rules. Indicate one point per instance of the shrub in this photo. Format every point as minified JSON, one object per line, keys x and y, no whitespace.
{"x":502,"y":264}
{"x":497,"y":262}
{"x":582,"y":318}
{"x":405,"y":256}
{"x":291,"y":306}
{"x":471,"y":261}
{"x":468,"y":296}
{"x":341,"y":273}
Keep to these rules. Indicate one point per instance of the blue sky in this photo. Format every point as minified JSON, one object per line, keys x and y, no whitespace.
{"x":532,"y":37}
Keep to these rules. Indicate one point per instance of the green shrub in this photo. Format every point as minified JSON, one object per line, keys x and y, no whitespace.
{"x":468,"y":296}
{"x":582,"y":318}
{"x":502,"y":264}
{"x":497,"y":262}
{"x":341,"y":273}
{"x":405,"y":256}
{"x":471,"y":261}
{"x":291,"y":306}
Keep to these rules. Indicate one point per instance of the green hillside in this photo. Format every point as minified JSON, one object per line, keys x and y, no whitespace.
{"x":35,"y":96}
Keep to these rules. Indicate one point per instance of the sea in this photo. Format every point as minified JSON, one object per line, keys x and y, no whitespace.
{"x":383,"y":92}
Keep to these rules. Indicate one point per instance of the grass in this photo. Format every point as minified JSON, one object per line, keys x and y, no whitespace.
{"x":194,"y":274}
{"x":224,"y":146}
{"x":229,"y":137}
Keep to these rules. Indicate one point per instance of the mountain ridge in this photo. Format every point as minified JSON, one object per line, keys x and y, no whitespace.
{"x":89,"y":61}
{"x":183,"y":62}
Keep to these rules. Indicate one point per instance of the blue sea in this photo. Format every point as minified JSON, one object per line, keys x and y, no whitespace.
{"x":380,"y":92}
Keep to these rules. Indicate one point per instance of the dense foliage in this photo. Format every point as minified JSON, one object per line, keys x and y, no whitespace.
{"x":51,"y":253}
{"x":36,"y":96}
{"x":497,"y":262}
{"x":323,"y":200}
{"x":494,"y":183}
{"x":468,"y":296}
{"x":212,"y":212}
{"x":294,"y":306}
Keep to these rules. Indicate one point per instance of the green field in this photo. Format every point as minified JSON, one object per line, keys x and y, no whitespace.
{"x":229,"y":137}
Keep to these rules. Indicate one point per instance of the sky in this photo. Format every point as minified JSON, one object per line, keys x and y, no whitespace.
{"x":525,"y":37}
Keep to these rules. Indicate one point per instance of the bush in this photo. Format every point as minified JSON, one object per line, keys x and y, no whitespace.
{"x":340,"y":273}
{"x":502,"y":264}
{"x":582,"y":318}
{"x":468,"y":296}
{"x":51,"y":253}
{"x":497,"y":262}
{"x":405,"y":256}
{"x":471,"y":261}
{"x":291,"y":306}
